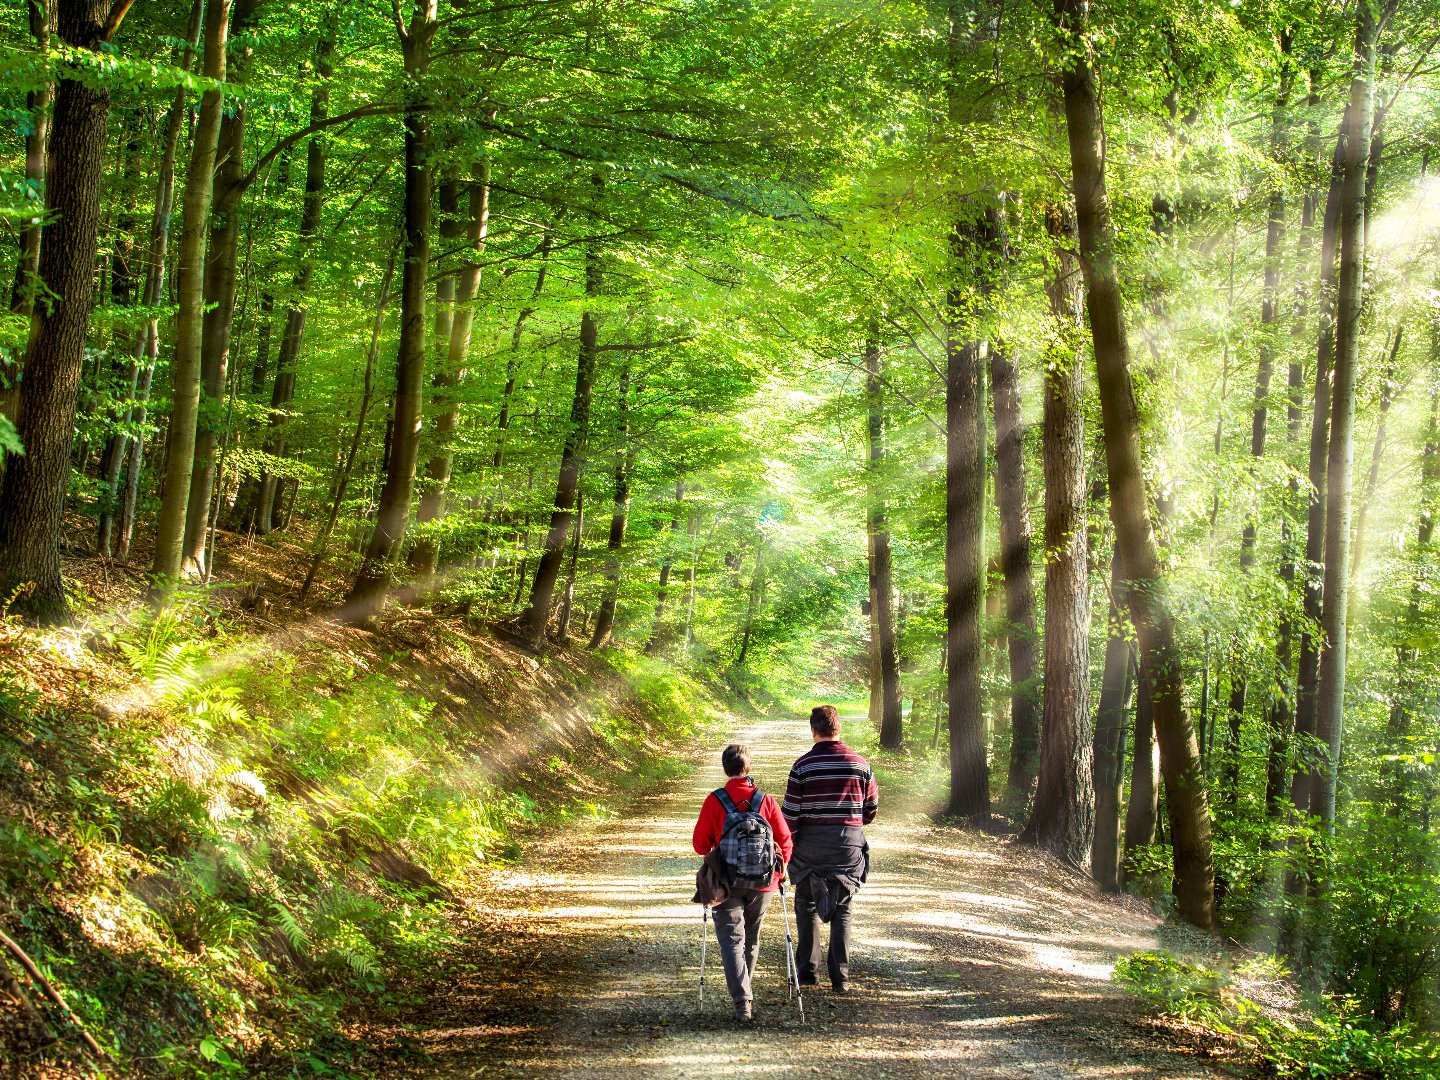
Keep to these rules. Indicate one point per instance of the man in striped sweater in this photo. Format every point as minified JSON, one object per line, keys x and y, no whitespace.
{"x":831,"y":794}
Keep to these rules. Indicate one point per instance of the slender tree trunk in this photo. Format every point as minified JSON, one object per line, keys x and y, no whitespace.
{"x":41,"y":15}
{"x":1021,"y":633}
{"x":512,"y":364}
{"x":652,"y":647}
{"x":965,"y":568}
{"x":1115,"y":684}
{"x":1063,"y":819}
{"x":692,"y":535}
{"x":221,"y":260}
{"x":1142,"y":813}
{"x":605,"y":616}
{"x":1354,"y":140}
{"x":372,"y":583}
{"x":1388,"y":388}
{"x":291,"y":339}
{"x":752,"y":610}
{"x":885,"y":670}
{"x":567,"y":604}
{"x":1185,"y":795}
{"x":189,"y":282}
{"x":1267,"y":347}
{"x":1308,"y":663}
{"x":362,"y":414}
{"x":572,"y":460}
{"x":425,"y":556}
{"x":34,"y":485}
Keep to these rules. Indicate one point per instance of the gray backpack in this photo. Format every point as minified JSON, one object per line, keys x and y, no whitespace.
{"x":747,"y":844}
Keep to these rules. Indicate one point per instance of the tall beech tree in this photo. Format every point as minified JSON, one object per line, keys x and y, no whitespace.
{"x":1063,"y":816}
{"x":536,"y":617}
{"x":884,"y":651}
{"x":392,"y":514}
{"x":35,"y":482}
{"x":1186,"y":799}
{"x":185,"y":372}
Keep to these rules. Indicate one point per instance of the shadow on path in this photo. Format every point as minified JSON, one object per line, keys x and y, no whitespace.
{"x":972,"y":958}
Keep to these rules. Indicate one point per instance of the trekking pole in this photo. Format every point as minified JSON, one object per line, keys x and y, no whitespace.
{"x":792,"y":969}
{"x":704,"y":940}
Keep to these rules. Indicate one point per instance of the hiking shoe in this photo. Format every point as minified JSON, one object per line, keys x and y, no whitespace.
{"x":839,"y":988}
{"x":744,"y":1012}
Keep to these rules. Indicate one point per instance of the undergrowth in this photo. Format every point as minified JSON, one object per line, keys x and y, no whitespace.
{"x":215,"y":846}
{"x":1329,"y":1038}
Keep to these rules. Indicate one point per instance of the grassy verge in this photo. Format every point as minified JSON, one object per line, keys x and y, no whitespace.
{"x":215,"y":843}
{"x":1252,"y":1006}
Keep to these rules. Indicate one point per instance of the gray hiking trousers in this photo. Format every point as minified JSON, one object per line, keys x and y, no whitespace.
{"x":737,"y":929}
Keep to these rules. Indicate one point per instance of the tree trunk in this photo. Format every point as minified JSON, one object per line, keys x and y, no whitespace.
{"x":283,"y":391}
{"x":189,"y":287}
{"x":34,"y":485}
{"x":605,"y":616}
{"x":1063,"y":819}
{"x":1021,"y":633}
{"x":1185,"y":796}
{"x":425,"y":556}
{"x":885,"y":670}
{"x":567,"y":604}
{"x":41,"y":15}
{"x":692,"y":534}
{"x":752,"y":609}
{"x":1115,"y":683}
{"x":965,"y":561}
{"x":572,"y":459}
{"x":652,"y":647}
{"x":1354,"y":143}
{"x":1388,"y":389}
{"x":1267,"y":347}
{"x":362,"y":414}
{"x":219,"y":285}
{"x":1142,"y":814}
{"x":372,"y":583}
{"x":1308,"y":664}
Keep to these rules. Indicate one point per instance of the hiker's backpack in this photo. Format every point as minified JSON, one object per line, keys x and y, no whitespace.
{"x":747,"y":844}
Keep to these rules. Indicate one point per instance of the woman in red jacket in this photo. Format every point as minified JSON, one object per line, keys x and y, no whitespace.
{"x":737,"y":920}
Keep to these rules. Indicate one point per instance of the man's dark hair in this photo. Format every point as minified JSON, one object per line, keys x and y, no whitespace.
{"x":736,"y":759}
{"x":825,"y":721}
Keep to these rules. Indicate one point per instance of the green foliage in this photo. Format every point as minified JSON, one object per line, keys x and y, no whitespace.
{"x":1329,"y":1041}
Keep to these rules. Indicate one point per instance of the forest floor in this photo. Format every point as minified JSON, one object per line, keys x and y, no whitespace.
{"x":973,"y":957}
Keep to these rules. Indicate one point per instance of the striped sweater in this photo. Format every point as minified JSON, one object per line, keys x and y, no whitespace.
{"x":831,"y":785}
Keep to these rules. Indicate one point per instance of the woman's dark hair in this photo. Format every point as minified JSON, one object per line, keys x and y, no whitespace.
{"x":825,"y":721}
{"x":736,"y":759}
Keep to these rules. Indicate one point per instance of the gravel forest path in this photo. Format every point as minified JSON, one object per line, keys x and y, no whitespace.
{"x":973,"y":957}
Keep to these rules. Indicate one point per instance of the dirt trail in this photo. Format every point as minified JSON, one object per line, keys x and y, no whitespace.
{"x":972,"y":958}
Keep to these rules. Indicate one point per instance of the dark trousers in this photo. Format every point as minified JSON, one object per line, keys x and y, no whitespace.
{"x":737,"y":929}
{"x":837,"y":956}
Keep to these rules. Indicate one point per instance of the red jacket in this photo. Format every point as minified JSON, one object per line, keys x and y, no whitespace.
{"x":712,"y":821}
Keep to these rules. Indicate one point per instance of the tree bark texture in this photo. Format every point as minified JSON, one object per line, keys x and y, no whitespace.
{"x":372,"y":583}
{"x":605,"y":616}
{"x":425,"y":556}
{"x":1021,"y":633}
{"x":1115,"y":684}
{"x":41,"y":16}
{"x":1063,"y":819}
{"x":221,"y":258}
{"x":1350,"y":287}
{"x":189,"y":287}
{"x":885,"y":668}
{"x":572,"y":459}
{"x":293,"y":336}
{"x":1186,"y":799}
{"x":34,"y":485}
{"x":652,"y":646}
